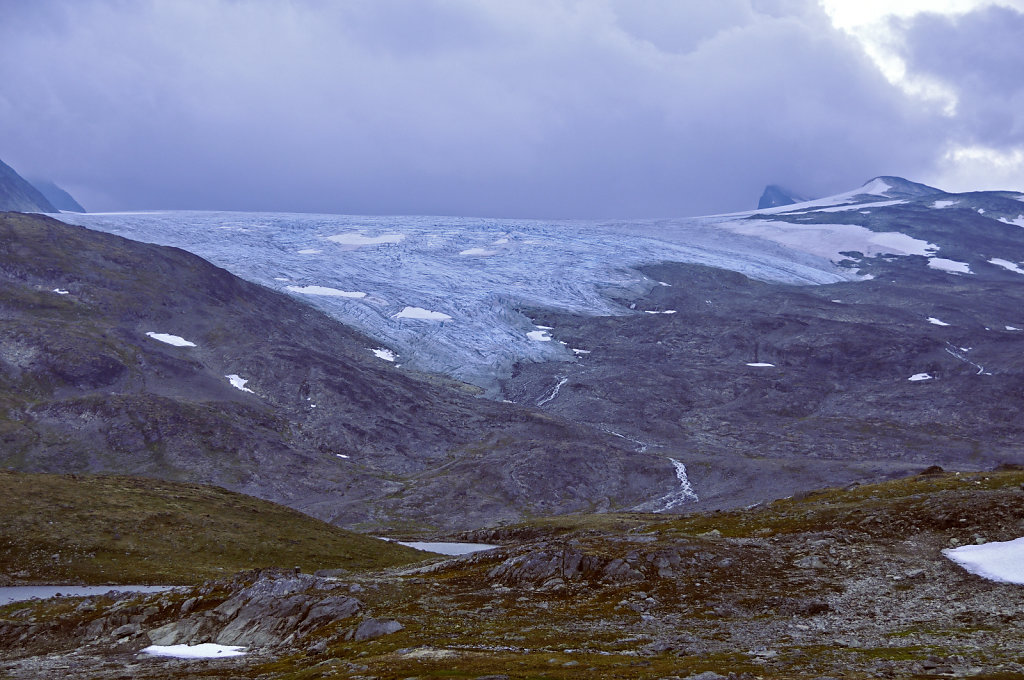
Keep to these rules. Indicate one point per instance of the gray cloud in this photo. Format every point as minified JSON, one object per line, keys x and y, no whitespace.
{"x":981,"y":55}
{"x":475,"y":107}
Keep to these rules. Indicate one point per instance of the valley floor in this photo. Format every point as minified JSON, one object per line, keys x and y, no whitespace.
{"x":839,"y":583}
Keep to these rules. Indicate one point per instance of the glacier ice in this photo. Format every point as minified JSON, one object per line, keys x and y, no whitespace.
{"x":422,"y":295}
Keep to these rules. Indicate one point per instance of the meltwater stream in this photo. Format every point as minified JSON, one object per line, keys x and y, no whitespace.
{"x":444,"y":292}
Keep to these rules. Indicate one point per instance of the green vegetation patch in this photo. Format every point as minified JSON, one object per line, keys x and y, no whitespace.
{"x":100,"y":529}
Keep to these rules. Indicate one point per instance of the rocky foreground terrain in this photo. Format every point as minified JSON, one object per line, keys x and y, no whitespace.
{"x":835,"y":584}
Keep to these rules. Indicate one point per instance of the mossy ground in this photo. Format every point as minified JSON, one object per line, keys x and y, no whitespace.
{"x":458,"y":624}
{"x":738,"y":602}
{"x":98,"y":529}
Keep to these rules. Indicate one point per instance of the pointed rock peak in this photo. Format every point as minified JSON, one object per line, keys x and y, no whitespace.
{"x":897,"y":187}
{"x":774,"y":196}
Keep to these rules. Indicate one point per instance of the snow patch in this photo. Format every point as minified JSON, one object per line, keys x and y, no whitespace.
{"x":1012,"y":328}
{"x":341,"y":455}
{"x":310,"y":251}
{"x":420,"y":313}
{"x":324,"y":290}
{"x":667,"y":311}
{"x":997,"y":561}
{"x":206,"y":650}
{"x":580,"y":351}
{"x":1006,"y":264}
{"x":918,"y":377}
{"x":357,"y":239}
{"x":951,"y":266}
{"x":539,"y":336}
{"x":61,"y":291}
{"x":479,"y":252}
{"x":383,"y":353}
{"x":936,"y":322}
{"x":238,"y":383}
{"x":944,"y":204}
{"x":762,"y":364}
{"x":175,"y":340}
{"x":1019,"y":222}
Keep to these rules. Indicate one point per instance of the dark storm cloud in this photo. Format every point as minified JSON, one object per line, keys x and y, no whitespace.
{"x":981,"y":55}
{"x":482,"y":107}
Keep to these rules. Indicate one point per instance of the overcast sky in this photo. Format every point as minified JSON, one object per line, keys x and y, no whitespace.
{"x":507,"y":108}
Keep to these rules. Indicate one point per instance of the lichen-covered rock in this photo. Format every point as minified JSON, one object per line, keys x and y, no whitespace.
{"x":375,"y":628}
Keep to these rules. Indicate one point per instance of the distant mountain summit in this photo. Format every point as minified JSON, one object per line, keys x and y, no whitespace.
{"x":775,"y":196}
{"x":897,"y":187}
{"x":889,"y":186}
{"x":59,"y":198}
{"x":16,"y":194}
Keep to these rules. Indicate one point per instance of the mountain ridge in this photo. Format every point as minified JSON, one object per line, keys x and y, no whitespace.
{"x":58,"y":197}
{"x":18,"y":194}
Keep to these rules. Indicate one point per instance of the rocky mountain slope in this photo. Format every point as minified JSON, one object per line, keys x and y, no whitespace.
{"x":837,"y":584}
{"x":858,"y":336}
{"x":58,"y":198}
{"x":18,"y":194}
{"x":262,"y":394}
{"x":759,"y":386}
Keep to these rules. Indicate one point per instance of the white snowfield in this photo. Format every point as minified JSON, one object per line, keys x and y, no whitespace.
{"x":936,"y":322}
{"x":175,"y":340}
{"x":382,"y":353}
{"x":918,"y":377}
{"x":832,"y":240}
{"x":951,"y":266}
{"x":238,"y":383}
{"x":1006,"y":264}
{"x":761,"y":364}
{"x":207,"y":650}
{"x":998,"y":561}
{"x":325,"y":290}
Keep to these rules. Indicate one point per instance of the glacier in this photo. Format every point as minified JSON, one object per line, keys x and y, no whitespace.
{"x":474,"y":276}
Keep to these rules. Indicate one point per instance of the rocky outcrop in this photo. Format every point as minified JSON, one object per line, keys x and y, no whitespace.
{"x":265,"y":610}
{"x":277,"y":608}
